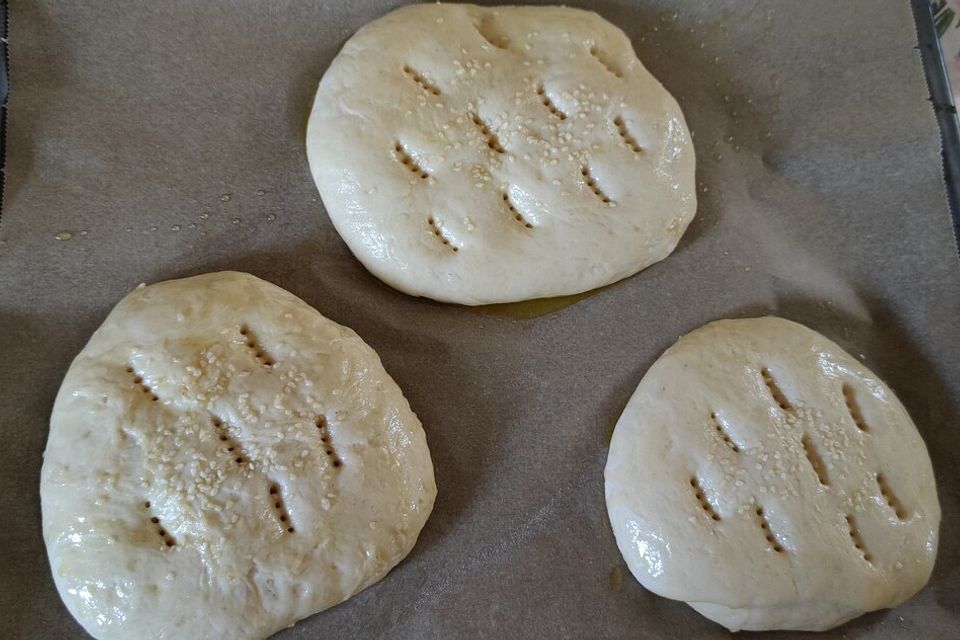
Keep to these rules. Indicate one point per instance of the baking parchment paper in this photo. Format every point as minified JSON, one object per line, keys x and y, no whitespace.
{"x":153,"y":140}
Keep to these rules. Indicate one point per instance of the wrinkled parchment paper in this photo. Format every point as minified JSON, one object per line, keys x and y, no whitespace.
{"x":164,"y":139}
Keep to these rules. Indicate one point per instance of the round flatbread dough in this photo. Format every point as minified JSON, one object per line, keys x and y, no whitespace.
{"x":479,"y":155}
{"x":224,"y":461}
{"x":771,"y":481}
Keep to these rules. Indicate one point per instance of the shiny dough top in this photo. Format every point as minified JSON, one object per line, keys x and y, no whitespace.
{"x":493,"y":154}
{"x":224,"y":461}
{"x":769,"y":479}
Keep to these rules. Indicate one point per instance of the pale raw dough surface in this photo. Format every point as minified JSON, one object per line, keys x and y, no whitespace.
{"x":479,"y":155}
{"x":735,"y":467}
{"x":214,"y":399}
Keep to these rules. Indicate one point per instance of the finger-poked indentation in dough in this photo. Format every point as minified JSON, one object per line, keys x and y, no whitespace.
{"x":228,"y":446}
{"x":591,"y":183}
{"x":604,"y":61}
{"x":628,"y":139}
{"x":168,"y":539}
{"x":701,"y":497}
{"x":767,"y":532}
{"x":255,"y":347}
{"x":489,"y":32}
{"x":404,"y":157}
{"x":505,"y":196}
{"x":775,"y":392}
{"x":816,"y":462}
{"x":857,"y":539}
{"x":721,"y":430}
{"x":853,"y":407}
{"x":548,"y":103}
{"x":417,"y":77}
{"x":139,"y":381}
{"x":892,"y":501}
{"x":277,"y":498}
{"x":436,"y":228}
{"x":493,"y":143}
{"x":327,"y":441}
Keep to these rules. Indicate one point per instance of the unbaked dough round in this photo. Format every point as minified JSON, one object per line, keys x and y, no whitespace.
{"x":771,"y":481}
{"x":224,"y":461}
{"x":479,"y":155}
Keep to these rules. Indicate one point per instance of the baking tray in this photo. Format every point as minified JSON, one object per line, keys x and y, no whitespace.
{"x":155,"y":140}
{"x":942,"y":100}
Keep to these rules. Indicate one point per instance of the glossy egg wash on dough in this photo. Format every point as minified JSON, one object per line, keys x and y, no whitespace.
{"x":487,"y":155}
{"x":767,"y":478}
{"x":224,"y":461}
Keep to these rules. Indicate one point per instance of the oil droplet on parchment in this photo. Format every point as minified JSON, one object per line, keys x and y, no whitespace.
{"x":529,"y":309}
{"x":616,"y":578}
{"x":536,"y":308}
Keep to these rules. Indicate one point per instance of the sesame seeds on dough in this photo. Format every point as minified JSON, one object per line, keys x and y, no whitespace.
{"x":493,"y":154}
{"x":224,"y":461}
{"x":768,"y":479}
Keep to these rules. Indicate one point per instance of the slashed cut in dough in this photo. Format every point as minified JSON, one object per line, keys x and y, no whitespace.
{"x":771,"y":481}
{"x":493,"y":154}
{"x":224,"y":461}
